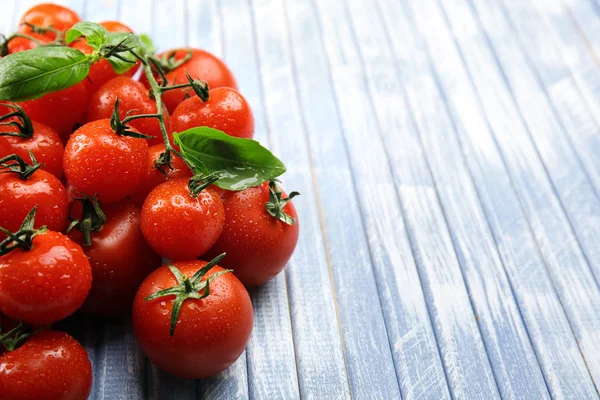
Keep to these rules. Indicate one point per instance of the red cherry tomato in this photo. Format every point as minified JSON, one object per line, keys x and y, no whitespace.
{"x":49,"y":366}
{"x":226,"y":110}
{"x":99,"y":162}
{"x":19,"y":44}
{"x":61,"y":110}
{"x":115,"y":26}
{"x":120,"y":259}
{"x":48,"y":15}
{"x":202,"y":65}
{"x":179,"y":226}
{"x":18,"y":196}
{"x":45,"y":145}
{"x":155,"y":177}
{"x":133,"y":96}
{"x":257,"y":244}
{"x":101,"y":71}
{"x":210,"y":334}
{"x":46,"y":283}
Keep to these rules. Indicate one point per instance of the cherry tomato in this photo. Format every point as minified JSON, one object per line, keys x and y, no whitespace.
{"x":46,"y":283}
{"x":19,"y":44}
{"x":61,"y":110}
{"x":48,"y":15}
{"x":133,"y":96}
{"x":226,"y":110}
{"x":120,"y":259}
{"x":115,"y":26}
{"x":179,"y":226}
{"x":99,"y":162}
{"x":210,"y":334}
{"x":18,"y":196}
{"x":101,"y":71}
{"x":155,"y":177}
{"x":45,"y":145}
{"x":257,"y":244}
{"x":49,"y":366}
{"x":202,"y":65}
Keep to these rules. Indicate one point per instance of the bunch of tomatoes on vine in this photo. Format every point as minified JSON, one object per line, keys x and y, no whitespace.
{"x":113,"y":158}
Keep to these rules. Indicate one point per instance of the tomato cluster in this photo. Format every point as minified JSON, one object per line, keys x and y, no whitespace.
{"x":94,"y":193}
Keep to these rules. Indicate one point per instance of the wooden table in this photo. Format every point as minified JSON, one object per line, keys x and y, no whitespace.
{"x":448,"y":156}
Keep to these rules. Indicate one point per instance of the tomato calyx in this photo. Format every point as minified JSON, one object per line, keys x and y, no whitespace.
{"x":23,"y":122}
{"x":16,"y":165}
{"x":16,"y":336}
{"x":167,"y":62}
{"x":199,"y":182}
{"x":120,"y":127}
{"x":41,"y":30}
{"x":277,"y":203}
{"x":23,"y":238}
{"x":199,"y":87}
{"x":92,"y":218}
{"x":188,"y":288}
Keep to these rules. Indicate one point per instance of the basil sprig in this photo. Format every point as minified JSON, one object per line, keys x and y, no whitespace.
{"x":239,"y":163}
{"x":33,"y":73}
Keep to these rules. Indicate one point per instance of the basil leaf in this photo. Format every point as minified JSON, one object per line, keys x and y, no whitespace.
{"x":33,"y":73}
{"x":240,"y":163}
{"x":148,"y":44}
{"x":125,"y":60}
{"x":94,"y":33}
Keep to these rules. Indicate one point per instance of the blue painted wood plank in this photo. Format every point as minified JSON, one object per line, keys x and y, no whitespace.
{"x":514,"y":363}
{"x":419,"y":368}
{"x":585,"y":14}
{"x":204,"y":32}
{"x":557,"y":223}
{"x":8,"y":18}
{"x":566,"y":36}
{"x":560,"y":86}
{"x":565,"y":371}
{"x":571,"y":181}
{"x":139,"y":15}
{"x":98,"y":11}
{"x":317,"y":346}
{"x":418,"y":364}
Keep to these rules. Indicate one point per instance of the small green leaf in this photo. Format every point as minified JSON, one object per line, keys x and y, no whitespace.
{"x":33,"y":73}
{"x":116,"y":50}
{"x":147,"y":43}
{"x":95,"y":34}
{"x":240,"y":163}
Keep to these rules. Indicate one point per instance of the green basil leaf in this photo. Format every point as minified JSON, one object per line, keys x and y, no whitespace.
{"x":148,"y":44}
{"x":126,"y":60}
{"x":33,"y":73}
{"x":94,"y":33}
{"x":240,"y":163}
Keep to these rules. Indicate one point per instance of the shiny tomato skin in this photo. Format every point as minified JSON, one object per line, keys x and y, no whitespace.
{"x":257,"y":245}
{"x":203,"y":65}
{"x":18,"y":197}
{"x":49,"y":15}
{"x":99,"y":162}
{"x":61,"y":110}
{"x":120,"y":260}
{"x":45,"y":144}
{"x":179,"y":226}
{"x":133,"y":96}
{"x":154,"y":177}
{"x":49,"y":366}
{"x":226,"y":110}
{"x":47,"y":283}
{"x":211,"y":333}
{"x":19,"y":44}
{"x":115,"y":26}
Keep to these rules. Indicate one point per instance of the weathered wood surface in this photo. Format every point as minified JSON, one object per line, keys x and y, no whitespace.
{"x":448,"y":156}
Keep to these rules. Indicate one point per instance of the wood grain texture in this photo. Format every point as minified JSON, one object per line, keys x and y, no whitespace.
{"x":567,"y":37}
{"x":586,"y":15}
{"x":514,"y":363}
{"x":554,"y":213}
{"x":317,"y":346}
{"x":477,"y":104}
{"x":418,"y":365}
